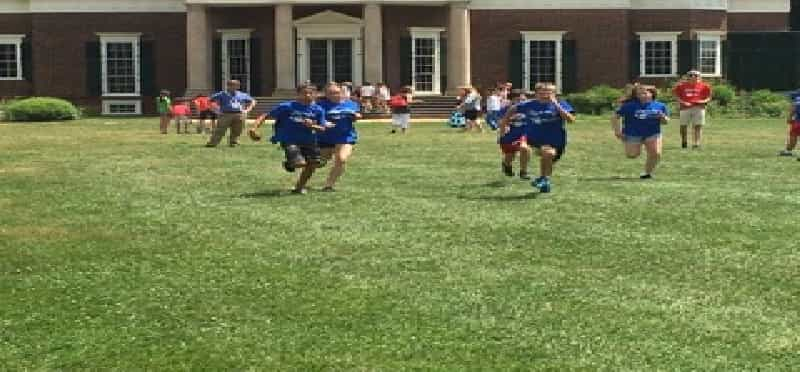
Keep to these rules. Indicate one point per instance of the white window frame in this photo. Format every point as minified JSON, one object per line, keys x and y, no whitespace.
{"x":243,"y":34}
{"x":17,"y":41}
{"x":107,"y":106}
{"x":434,"y":33}
{"x":671,"y":37}
{"x":558,"y":38}
{"x":715,"y":36}
{"x":135,"y":40}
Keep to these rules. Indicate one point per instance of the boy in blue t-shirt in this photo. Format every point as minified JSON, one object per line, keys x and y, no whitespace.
{"x":512,"y":139}
{"x":545,"y":119}
{"x":337,"y":141}
{"x":643,"y":118}
{"x":296,"y":125}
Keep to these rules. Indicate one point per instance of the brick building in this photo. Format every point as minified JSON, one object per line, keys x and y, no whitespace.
{"x":116,"y":54}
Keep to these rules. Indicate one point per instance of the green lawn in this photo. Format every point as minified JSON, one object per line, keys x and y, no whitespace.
{"x":124,"y":249}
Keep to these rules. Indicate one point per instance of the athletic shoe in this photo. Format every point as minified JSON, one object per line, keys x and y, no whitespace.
{"x":684,"y":145}
{"x":210,"y":145}
{"x":328,"y":189}
{"x":288,"y":167}
{"x":645,"y":176}
{"x":507,"y":169}
{"x":394,"y":131}
{"x":234,"y":144}
{"x":695,"y":147}
{"x":785,"y":153}
{"x":538,"y":182}
{"x":524,"y":176}
{"x":546,"y":186}
{"x":299,"y":191}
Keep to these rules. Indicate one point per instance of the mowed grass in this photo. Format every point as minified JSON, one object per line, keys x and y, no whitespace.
{"x":121,"y":249}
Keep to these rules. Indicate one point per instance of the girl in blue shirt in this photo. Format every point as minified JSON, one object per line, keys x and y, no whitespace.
{"x":297,"y":123}
{"x":337,"y":141}
{"x":643,"y":118}
{"x":545,"y":117}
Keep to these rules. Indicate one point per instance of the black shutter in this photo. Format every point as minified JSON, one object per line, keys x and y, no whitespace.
{"x":725,"y":58}
{"x":405,"y":61}
{"x":93,"y":69}
{"x":148,"y":68}
{"x":687,"y":55}
{"x":634,"y":53}
{"x":216,"y":62}
{"x":515,"y":63}
{"x":27,"y":59}
{"x":255,"y":67}
{"x":443,"y":64}
{"x":569,"y":74}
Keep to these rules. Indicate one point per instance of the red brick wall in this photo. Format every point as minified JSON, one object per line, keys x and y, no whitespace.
{"x":677,"y":20}
{"x":601,"y":41}
{"x":59,"y":47}
{"x":15,"y":24}
{"x":396,"y":21}
{"x":261,"y":20}
{"x":758,"y":21}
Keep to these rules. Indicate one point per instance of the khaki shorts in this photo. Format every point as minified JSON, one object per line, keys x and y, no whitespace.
{"x":695,"y":116}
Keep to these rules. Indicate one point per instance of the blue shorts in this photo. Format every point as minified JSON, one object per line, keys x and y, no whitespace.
{"x":638,"y":140}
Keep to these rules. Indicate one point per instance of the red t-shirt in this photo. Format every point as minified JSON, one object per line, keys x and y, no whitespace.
{"x":202,"y":103}
{"x":181,"y":110}
{"x":692,"y":92}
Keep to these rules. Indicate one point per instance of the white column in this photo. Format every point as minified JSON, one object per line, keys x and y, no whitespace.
{"x":373,"y":43}
{"x":198,"y":47}
{"x":459,"y":66}
{"x":284,"y":49}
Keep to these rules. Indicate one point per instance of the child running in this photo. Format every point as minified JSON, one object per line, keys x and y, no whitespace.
{"x":296,"y":125}
{"x":794,"y":126}
{"x":401,"y":112}
{"x":643,"y":119}
{"x":545,"y":117}
{"x":337,"y":142}
{"x":494,"y":106}
{"x":512,"y":140}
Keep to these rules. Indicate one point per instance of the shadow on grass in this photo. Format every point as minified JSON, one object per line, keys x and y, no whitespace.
{"x":497,"y":184}
{"x":609,"y":179}
{"x":502,"y":198}
{"x":266,"y":194}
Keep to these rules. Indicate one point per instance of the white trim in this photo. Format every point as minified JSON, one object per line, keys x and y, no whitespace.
{"x":108,"y":102}
{"x":134,"y":39}
{"x":16,"y":40}
{"x":759,"y":6}
{"x":715,"y":36}
{"x":434,"y":33}
{"x":670,"y":36}
{"x":329,"y":25}
{"x":235,"y":34}
{"x":558,"y":38}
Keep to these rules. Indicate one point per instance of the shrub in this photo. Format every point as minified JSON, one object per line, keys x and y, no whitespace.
{"x":597,"y":100}
{"x":41,"y":109}
{"x":724,"y":94}
{"x":766,"y":103}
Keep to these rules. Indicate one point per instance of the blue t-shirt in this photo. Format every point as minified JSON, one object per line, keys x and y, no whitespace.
{"x":516,"y":127}
{"x":231,"y":103}
{"x":642,"y":119}
{"x":545,"y":126}
{"x":796,"y":104}
{"x":343,"y":114}
{"x":289,"y":127}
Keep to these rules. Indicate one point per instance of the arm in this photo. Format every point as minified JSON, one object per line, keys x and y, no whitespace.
{"x":664,"y":117}
{"x":616,"y":125}
{"x":566,"y":115}
{"x":707,"y":100}
{"x":259,"y":121}
{"x":792,"y":113}
{"x":250,"y":106}
{"x":506,"y":121}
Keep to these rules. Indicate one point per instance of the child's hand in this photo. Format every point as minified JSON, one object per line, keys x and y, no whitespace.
{"x":330,"y":125}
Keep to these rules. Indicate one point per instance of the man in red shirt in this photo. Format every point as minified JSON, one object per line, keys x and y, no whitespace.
{"x":693,"y":95}
{"x":205,"y":109}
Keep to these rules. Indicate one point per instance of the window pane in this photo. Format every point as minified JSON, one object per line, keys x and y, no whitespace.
{"x":120,"y":68}
{"x":342,"y":60}
{"x":658,"y":58}
{"x":239,"y":62}
{"x":8,"y":61}
{"x":708,"y":57}
{"x":424,"y":64}
{"x":542,"y":61}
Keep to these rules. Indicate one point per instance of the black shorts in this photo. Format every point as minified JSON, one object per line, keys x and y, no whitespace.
{"x":323,"y":145}
{"x":208,"y":114}
{"x":296,"y":154}
{"x":471,"y":114}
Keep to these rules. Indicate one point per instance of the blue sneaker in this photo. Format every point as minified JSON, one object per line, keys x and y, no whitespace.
{"x":545,"y":186}
{"x":537,"y":182}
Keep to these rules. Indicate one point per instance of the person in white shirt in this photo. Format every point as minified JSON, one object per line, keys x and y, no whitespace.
{"x":471,"y":107}
{"x":367,"y":97}
{"x":494,"y":103}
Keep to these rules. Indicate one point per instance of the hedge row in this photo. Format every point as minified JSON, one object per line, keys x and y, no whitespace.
{"x":602,"y":99}
{"x":40,"y":109}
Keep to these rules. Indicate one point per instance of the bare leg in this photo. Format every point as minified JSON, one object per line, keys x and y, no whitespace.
{"x":524,"y":159}
{"x":698,"y":135}
{"x":684,"y":134}
{"x":633,"y":150}
{"x":308,"y":171}
{"x":340,"y":157}
{"x":548,"y":155}
{"x":791,"y":143}
{"x":653,"y":148}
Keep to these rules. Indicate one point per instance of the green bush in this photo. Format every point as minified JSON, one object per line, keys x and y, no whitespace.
{"x":597,"y":100}
{"x":724,"y":94}
{"x":765,"y":103}
{"x":41,"y":109}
